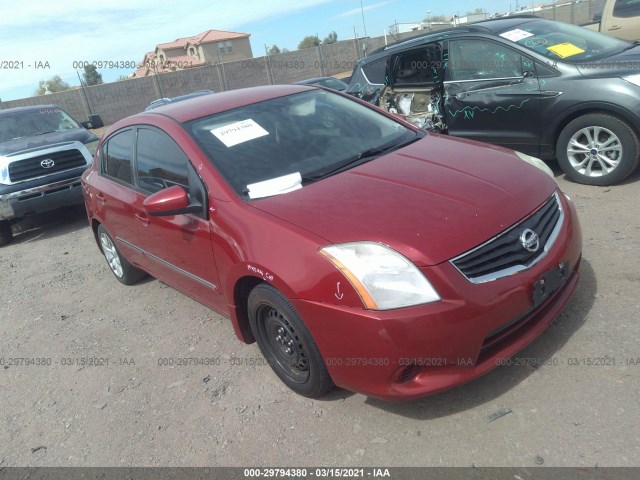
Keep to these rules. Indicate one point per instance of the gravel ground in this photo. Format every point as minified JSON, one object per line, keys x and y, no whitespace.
{"x":60,"y":303}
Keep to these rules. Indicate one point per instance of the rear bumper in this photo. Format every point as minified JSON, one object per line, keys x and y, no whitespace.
{"x":39,"y":199}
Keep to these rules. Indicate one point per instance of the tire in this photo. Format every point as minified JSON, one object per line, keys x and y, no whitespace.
{"x":598,"y":149}
{"x":124,"y":272}
{"x":6,"y":235}
{"x":286,"y":343}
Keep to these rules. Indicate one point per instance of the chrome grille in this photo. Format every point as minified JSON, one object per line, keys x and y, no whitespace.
{"x":507,"y":253}
{"x":29,"y":168}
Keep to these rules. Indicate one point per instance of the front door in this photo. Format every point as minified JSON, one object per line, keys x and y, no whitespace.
{"x":179,"y":246}
{"x":492,"y":94}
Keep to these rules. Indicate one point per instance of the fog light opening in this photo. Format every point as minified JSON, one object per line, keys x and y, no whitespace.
{"x":408,"y":373}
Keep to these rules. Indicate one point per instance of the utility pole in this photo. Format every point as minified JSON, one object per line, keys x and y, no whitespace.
{"x":363,"y":23}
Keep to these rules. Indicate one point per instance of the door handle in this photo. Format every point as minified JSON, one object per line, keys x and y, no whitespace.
{"x":614,"y":27}
{"x":101,"y":198}
{"x":143,"y":218}
{"x":550,"y":93}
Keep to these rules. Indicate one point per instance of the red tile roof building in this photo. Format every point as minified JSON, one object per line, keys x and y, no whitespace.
{"x":209,"y":47}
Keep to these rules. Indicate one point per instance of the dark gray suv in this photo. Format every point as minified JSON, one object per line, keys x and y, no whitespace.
{"x":544,"y":88}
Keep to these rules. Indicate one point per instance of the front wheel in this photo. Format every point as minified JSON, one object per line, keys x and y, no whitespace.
{"x":286,"y":343}
{"x":6,"y":235}
{"x":598,"y":149}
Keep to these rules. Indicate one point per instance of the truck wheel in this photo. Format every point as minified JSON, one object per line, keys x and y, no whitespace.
{"x":598,"y":149}
{"x":6,"y":235}
{"x":286,"y":343}
{"x":126,"y":273}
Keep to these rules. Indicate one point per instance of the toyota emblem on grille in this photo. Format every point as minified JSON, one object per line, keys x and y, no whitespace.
{"x":530,"y":240}
{"x":47,"y":163}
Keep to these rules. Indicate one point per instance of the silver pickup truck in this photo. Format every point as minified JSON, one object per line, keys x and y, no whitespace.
{"x":43,"y":153}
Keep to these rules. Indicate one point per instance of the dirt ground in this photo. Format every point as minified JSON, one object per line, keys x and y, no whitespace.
{"x":60,"y":304}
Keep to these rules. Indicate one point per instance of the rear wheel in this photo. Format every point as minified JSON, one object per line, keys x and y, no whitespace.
{"x":286,"y":343}
{"x":598,"y":149}
{"x":120,"y":267}
{"x":6,"y":235}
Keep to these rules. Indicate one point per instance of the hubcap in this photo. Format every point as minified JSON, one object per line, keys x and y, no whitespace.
{"x":110,"y":253}
{"x":594,"y":151}
{"x":284,"y":344}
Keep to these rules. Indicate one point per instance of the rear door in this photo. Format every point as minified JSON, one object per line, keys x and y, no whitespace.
{"x":492,"y":94}
{"x":116,"y":199}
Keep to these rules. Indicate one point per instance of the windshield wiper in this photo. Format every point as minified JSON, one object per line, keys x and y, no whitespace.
{"x":362,"y":157}
{"x":634,"y":44}
{"x":44,"y":133}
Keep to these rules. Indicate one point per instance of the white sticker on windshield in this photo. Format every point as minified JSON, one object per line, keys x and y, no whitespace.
{"x":516,"y":35}
{"x":239,"y":132}
{"x":275,"y":186}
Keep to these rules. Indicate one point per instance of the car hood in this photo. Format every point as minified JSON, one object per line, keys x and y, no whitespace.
{"x":47,"y":140}
{"x":624,"y":63}
{"x":431,"y":200}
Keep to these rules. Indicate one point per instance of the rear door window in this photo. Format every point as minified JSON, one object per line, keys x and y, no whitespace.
{"x":117,"y":154}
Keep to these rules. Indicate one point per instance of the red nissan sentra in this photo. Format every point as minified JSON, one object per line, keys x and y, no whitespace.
{"x":355,"y":249}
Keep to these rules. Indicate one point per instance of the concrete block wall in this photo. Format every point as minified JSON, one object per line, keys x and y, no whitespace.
{"x":117,"y":100}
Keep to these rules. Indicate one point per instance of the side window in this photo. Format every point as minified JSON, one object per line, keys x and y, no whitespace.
{"x":482,"y":59}
{"x":160,"y":161}
{"x":375,"y":71}
{"x":417,"y":67}
{"x":117,"y":155}
{"x":626,"y":8}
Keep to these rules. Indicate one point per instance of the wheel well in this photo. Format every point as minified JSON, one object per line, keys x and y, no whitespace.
{"x":94,"y":227}
{"x":590,"y":111}
{"x":240,"y":296}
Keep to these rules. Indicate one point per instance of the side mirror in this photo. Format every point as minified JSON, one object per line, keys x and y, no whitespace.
{"x":94,"y":121}
{"x":170,"y":201}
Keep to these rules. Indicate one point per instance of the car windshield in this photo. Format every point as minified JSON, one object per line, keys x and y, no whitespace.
{"x":278,"y":145}
{"x":35,"y":122}
{"x":561,"y":41}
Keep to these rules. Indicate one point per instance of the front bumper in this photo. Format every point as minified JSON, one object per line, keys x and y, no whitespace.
{"x":42,"y":198}
{"x":408,"y":353}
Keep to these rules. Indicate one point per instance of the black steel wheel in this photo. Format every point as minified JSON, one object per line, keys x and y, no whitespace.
{"x":286,"y":343}
{"x":6,"y":235}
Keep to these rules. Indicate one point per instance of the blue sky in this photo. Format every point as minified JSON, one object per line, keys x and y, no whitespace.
{"x":35,"y":34}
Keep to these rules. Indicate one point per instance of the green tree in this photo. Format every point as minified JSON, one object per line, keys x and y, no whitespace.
{"x":435,"y":18}
{"x":309,"y":41}
{"x":331,"y":38}
{"x":274,"y":50}
{"x":54,"y":84}
{"x":91,"y":75}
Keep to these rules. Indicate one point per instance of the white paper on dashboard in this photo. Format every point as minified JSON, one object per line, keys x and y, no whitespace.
{"x":275,"y":186}
{"x":516,"y":35}
{"x":239,"y":132}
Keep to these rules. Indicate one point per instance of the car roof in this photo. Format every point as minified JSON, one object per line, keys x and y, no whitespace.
{"x":30,"y":108}
{"x":204,"y":105}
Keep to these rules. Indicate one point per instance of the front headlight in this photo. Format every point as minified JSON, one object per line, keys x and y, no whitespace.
{"x":536,"y":162}
{"x":92,"y":146}
{"x":635,"y":79}
{"x":383,"y":278}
